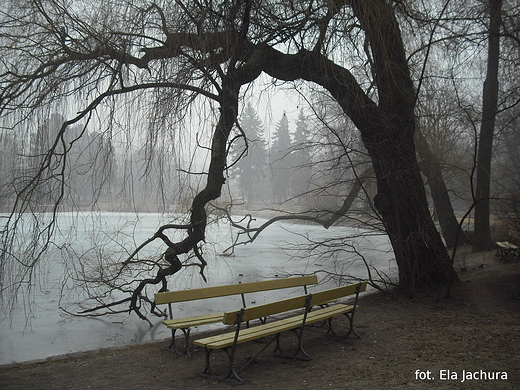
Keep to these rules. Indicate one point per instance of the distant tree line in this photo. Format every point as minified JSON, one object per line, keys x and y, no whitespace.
{"x":99,"y":173}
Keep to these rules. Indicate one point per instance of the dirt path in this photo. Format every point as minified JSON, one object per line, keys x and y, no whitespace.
{"x":477,"y":330}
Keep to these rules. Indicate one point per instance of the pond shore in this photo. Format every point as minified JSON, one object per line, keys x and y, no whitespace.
{"x":469,"y":341}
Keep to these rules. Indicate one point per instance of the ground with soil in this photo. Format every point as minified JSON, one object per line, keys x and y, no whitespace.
{"x":477,"y":330}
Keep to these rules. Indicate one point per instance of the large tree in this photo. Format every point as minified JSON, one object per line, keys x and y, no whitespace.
{"x":301,"y":158}
{"x":176,"y":53}
{"x":251,"y":166}
{"x":482,"y":239}
{"x":281,"y":161}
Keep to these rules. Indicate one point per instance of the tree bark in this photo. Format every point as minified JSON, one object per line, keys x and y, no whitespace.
{"x":482,"y":238}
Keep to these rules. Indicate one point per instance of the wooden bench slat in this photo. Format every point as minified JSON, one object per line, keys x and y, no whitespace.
{"x":318,"y":298}
{"x":508,"y":251}
{"x":268,"y":329}
{"x":246,"y":334}
{"x":265,"y":310}
{"x":289,"y":304}
{"x":190,"y":322}
{"x":507,"y":245}
{"x":233,"y":289}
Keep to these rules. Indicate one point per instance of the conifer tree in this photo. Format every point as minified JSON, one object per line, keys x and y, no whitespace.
{"x":280,"y":161}
{"x":250,"y":170}
{"x":301,"y":157}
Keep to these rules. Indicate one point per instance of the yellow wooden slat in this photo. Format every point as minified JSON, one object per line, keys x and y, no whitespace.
{"x":223,"y":337}
{"x":289,"y":304}
{"x":189,"y":322}
{"x":255,"y":334}
{"x":327,"y":312}
{"x":507,"y":245}
{"x":249,"y":334}
{"x":318,"y":298}
{"x":233,"y":289}
{"x":267,"y":309}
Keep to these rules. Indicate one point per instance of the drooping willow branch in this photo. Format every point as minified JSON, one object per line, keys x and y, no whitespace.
{"x":228,"y":99}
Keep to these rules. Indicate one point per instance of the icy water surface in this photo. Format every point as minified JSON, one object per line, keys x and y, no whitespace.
{"x":40,"y":329}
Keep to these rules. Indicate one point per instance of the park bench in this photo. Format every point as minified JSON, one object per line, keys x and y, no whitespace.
{"x":185,"y":324}
{"x":507,"y":251}
{"x":315,"y":309}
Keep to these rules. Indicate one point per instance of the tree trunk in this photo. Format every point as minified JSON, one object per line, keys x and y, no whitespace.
{"x":431,"y":168}
{"x":482,"y":238}
{"x":387,"y":131}
{"x":401,"y":199}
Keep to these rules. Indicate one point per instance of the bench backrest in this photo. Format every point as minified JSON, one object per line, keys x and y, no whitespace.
{"x":268,"y":309}
{"x":233,"y":289}
{"x":322,"y":297}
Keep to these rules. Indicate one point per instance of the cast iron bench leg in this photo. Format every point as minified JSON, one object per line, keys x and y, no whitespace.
{"x":186,"y":350}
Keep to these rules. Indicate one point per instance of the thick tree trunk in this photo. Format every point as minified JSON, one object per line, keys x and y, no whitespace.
{"x":482,"y":238}
{"x":401,"y":199}
{"x":387,"y":130}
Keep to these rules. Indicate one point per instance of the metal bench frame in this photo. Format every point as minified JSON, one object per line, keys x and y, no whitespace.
{"x":507,"y":252}
{"x":228,"y":342}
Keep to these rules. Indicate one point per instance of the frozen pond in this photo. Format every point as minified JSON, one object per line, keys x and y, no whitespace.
{"x":40,"y":329}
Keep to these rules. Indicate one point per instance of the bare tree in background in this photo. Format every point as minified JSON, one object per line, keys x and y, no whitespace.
{"x":482,"y":239}
{"x":439,"y":145}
